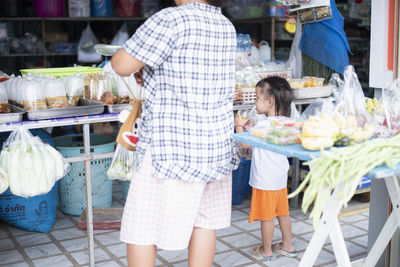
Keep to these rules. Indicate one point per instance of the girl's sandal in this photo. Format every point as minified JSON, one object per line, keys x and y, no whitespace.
{"x":256,"y":253}
{"x":277,"y":248}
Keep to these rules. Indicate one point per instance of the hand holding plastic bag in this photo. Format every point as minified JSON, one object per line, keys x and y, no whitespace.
{"x":32,"y":166}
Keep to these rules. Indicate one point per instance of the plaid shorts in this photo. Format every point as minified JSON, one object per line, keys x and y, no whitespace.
{"x":163,"y":212}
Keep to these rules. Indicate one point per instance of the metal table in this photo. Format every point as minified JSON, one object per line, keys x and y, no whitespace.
{"x":87,"y":157}
{"x":329,"y":223}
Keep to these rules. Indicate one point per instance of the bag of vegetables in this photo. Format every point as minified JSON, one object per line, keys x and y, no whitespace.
{"x":32,"y":166}
{"x":122,"y":165}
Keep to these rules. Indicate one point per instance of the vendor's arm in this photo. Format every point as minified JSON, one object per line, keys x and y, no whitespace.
{"x":124,"y":64}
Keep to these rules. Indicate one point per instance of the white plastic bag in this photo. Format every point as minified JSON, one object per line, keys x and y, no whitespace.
{"x":55,"y":94}
{"x":86,"y":51}
{"x":32,"y":166}
{"x":295,"y":62}
{"x":265,"y":51}
{"x":255,"y":57}
{"x":74,"y":87}
{"x":121,"y":36}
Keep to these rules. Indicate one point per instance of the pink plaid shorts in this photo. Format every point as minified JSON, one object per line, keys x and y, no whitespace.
{"x":163,"y":212}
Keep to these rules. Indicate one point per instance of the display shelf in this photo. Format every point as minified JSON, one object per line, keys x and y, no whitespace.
{"x":39,"y":54}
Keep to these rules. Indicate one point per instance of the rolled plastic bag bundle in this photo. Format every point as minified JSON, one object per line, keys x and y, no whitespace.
{"x":122,"y":165}
{"x":32,"y":167}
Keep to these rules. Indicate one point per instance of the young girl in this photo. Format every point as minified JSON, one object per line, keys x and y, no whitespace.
{"x":268,"y":173}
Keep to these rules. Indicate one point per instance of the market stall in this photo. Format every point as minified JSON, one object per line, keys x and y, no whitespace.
{"x":329,"y":224}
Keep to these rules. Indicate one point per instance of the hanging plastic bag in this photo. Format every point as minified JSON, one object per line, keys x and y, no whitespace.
{"x":122,"y":165}
{"x":32,"y":167}
{"x":295,"y":62}
{"x":86,"y":51}
{"x":294,"y":113}
{"x":121,"y":36}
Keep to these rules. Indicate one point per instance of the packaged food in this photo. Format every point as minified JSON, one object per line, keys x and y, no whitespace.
{"x":32,"y":95}
{"x":55,"y":94}
{"x":276,"y":140}
{"x":74,"y":87}
{"x":99,"y":87}
{"x":4,"y":108}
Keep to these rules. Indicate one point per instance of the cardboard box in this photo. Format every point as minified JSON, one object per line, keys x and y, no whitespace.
{"x":103,"y":219}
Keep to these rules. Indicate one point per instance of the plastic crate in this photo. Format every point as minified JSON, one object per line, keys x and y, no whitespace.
{"x":72,"y":190}
{"x":240,"y":182}
{"x":65,"y":47}
{"x":249,"y":95}
{"x":61,"y":71}
{"x":125,"y":188}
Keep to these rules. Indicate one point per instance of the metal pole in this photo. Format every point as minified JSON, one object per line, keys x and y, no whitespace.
{"x":89,"y":210}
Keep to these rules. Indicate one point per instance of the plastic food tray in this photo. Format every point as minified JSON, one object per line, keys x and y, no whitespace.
{"x":117,"y":108}
{"x":312,"y":92}
{"x":85,"y":107}
{"x":61,"y":71}
{"x":15,"y":115}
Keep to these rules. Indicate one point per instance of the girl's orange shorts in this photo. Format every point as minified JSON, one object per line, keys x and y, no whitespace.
{"x":266,"y":205}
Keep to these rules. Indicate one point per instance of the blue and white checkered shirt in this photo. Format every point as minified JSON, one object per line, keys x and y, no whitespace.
{"x":187,"y":118}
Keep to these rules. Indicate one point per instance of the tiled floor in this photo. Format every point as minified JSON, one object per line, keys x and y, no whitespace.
{"x":65,"y":245}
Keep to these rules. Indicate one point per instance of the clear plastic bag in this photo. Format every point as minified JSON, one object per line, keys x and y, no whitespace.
{"x":86,"y":51}
{"x":4,"y":107}
{"x":387,"y":112}
{"x":74,"y":87}
{"x":99,"y":87}
{"x":32,"y":95}
{"x":318,"y":106}
{"x":55,"y":94}
{"x":351,"y":100}
{"x":123,"y":164}
{"x":32,"y":166}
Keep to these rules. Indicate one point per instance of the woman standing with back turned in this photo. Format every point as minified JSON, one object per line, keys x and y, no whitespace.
{"x":181,"y":191}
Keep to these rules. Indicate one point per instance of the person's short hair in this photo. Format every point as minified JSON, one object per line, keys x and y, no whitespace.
{"x":217,"y":3}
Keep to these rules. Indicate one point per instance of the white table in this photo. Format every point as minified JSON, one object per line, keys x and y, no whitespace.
{"x":329,"y":223}
{"x":87,"y":157}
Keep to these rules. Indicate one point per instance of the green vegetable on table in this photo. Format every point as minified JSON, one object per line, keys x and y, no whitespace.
{"x":344,"y":166}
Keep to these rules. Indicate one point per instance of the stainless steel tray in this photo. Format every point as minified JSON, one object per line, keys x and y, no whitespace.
{"x":85,"y":107}
{"x":117,"y":108}
{"x":15,"y":115}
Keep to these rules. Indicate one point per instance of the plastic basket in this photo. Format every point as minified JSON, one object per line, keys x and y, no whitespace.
{"x":61,"y":71}
{"x":240,"y":182}
{"x":72,"y":190}
{"x":125,"y":188}
{"x":249,"y":95}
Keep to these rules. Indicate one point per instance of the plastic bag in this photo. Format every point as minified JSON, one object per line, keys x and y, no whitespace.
{"x":32,"y":167}
{"x":255,"y":57}
{"x":387,"y":112}
{"x":86,"y":51}
{"x":4,"y":107}
{"x":318,"y":106}
{"x":74,"y":87}
{"x":294,"y":113}
{"x":121,"y":36}
{"x":99,"y":87}
{"x":351,"y":100}
{"x":295,"y":62}
{"x":32,"y":95}
{"x":55,"y":94}
{"x":122,"y":165}
{"x":265,"y":51}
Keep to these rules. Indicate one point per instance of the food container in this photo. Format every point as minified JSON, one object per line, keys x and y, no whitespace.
{"x":4,"y":108}
{"x":74,"y":87}
{"x":85,"y":107}
{"x":277,"y":140}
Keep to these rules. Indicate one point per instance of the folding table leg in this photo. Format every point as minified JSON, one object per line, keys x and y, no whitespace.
{"x":391,"y":225}
{"x":339,"y":246}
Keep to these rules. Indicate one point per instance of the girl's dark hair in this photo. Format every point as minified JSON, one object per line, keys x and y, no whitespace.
{"x":217,"y":3}
{"x":280,"y":89}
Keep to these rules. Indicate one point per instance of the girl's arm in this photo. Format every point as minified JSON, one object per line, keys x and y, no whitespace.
{"x":239,"y":126}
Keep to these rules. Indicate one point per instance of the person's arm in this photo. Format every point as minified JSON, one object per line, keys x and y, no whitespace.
{"x":124,"y":64}
{"x":239,"y":126}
